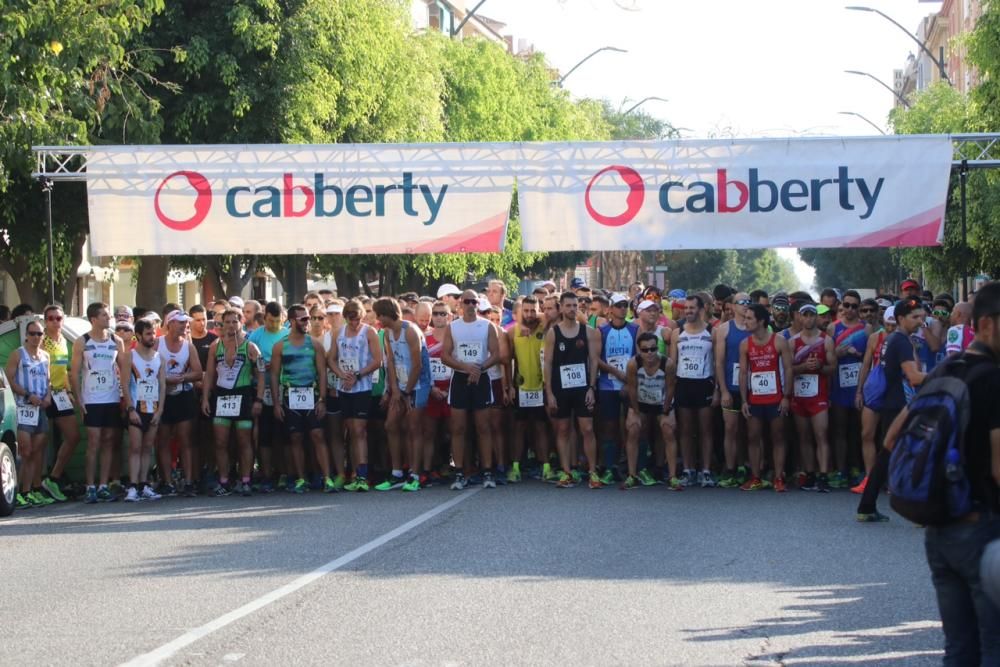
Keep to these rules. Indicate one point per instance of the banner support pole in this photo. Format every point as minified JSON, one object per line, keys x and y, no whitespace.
{"x":963,"y":176}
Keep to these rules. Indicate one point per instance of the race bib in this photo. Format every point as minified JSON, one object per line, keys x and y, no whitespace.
{"x":806,"y":386}
{"x":349,"y":364}
{"x":573,"y":376}
{"x":849,"y":374}
{"x":147,"y":391}
{"x":228,"y":406}
{"x":301,"y":398}
{"x":228,"y":375}
{"x":439,"y":371}
{"x":764,"y":383}
{"x":736,"y":374}
{"x":470,"y":353}
{"x":402,"y":375}
{"x":98,"y":382}
{"x":61,"y":399}
{"x":268,"y":399}
{"x":331,"y":381}
{"x":689,"y":367}
{"x":27,"y":415}
{"x":650,"y":391}
{"x":619,"y":362}
{"x":529,"y":399}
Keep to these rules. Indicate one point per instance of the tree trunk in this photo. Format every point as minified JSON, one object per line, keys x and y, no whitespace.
{"x":68,"y":286}
{"x":347,"y":283}
{"x":151,"y":286}
{"x":292,"y":274}
{"x":27,"y":291}
{"x":212,"y":280}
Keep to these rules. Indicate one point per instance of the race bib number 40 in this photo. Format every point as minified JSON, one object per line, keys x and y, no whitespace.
{"x":61,"y":399}
{"x":764,"y":383}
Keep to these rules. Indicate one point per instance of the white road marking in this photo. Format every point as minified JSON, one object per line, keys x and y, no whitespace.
{"x":158,"y":655}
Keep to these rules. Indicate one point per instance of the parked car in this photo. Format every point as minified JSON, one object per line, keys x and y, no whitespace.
{"x":8,"y":447}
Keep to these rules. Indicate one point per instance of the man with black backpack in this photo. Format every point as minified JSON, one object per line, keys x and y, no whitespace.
{"x":900,"y":366}
{"x":945,"y":474}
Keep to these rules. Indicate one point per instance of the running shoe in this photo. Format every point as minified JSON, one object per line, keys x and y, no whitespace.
{"x":282,"y":483}
{"x":390,"y":483}
{"x":426,"y":481}
{"x":266,"y":487}
{"x":646,"y":479}
{"x":104,"y":495}
{"x":675,"y":484}
{"x":577,"y":475}
{"x":301,"y":486}
{"x":51,"y":487}
{"x":38,"y":500}
{"x":874,"y":517}
{"x":91,"y":496}
{"x":338,"y":482}
{"x":838,"y":481}
{"x":460,"y":483}
{"x":742,"y":475}
{"x":753,"y":484}
{"x":167,"y":490}
{"x":413,"y":484}
{"x":475,"y":480}
{"x":328,"y":485}
{"x":500,"y":478}
{"x":630,"y":483}
{"x":488,"y":481}
{"x":822,"y":484}
{"x":549,"y":475}
{"x":779,"y":485}
{"x":860,"y":488}
{"x":190,"y":491}
{"x":608,"y":478}
{"x":855,"y":476}
{"x":115,"y":487}
{"x":132,"y":495}
{"x":220,"y":491}
{"x":149,"y":494}
{"x":514,"y":474}
{"x":566,"y":481}
{"x":21,"y":503}
{"x":706,"y":480}
{"x":809,"y":483}
{"x":352,"y":486}
{"x":687,"y":478}
{"x":245,"y":490}
{"x":727,"y":480}
{"x":595,"y":481}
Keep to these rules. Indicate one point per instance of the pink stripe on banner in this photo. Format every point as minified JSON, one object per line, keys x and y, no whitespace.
{"x":923,"y":229}
{"x":484,"y":236}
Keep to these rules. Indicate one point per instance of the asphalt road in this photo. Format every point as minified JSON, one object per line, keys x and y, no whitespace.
{"x":526,"y":575}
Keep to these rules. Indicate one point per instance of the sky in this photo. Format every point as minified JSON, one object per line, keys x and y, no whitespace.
{"x":772,"y":68}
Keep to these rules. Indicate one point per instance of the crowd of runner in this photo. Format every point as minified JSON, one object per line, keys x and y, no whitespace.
{"x":633,"y":389}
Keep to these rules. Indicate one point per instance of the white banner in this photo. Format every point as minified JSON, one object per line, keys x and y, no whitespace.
{"x":805,"y":192}
{"x":167,"y":200}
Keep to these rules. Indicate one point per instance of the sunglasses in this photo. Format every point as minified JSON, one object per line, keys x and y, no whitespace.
{"x":647,"y":350}
{"x":940,"y":313}
{"x":33,"y":333}
{"x":56,"y":318}
{"x":304,"y":318}
{"x":353,"y":316}
{"x":851,"y":306}
{"x":743,"y":302}
{"x":780,"y":309}
{"x":620,"y":304}
{"x":317,"y":318}
{"x":470,"y":302}
{"x":867,"y":311}
{"x":440,"y":314}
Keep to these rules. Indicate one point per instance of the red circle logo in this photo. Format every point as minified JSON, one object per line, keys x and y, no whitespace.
{"x":202,"y":202}
{"x":633,"y":202}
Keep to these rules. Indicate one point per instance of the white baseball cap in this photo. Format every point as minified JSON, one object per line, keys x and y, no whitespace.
{"x":890,"y":315}
{"x":643,"y":305}
{"x":334,"y":308}
{"x":236,"y":301}
{"x":617,"y":298}
{"x":177,"y":316}
{"x":484,"y":305}
{"x":448,"y":289}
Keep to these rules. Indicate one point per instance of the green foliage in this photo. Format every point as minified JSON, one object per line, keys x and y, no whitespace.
{"x":856,"y":268}
{"x":938,"y":109}
{"x":743,"y":269}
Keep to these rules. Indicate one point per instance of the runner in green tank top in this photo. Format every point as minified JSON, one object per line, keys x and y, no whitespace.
{"x":228,"y":396}
{"x":298,"y":373}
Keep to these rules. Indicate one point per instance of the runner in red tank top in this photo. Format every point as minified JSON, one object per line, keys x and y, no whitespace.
{"x":437,"y":412}
{"x":813,"y":361}
{"x":768,"y":360}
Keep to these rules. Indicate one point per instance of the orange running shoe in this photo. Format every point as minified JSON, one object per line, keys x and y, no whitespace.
{"x":779,"y":485}
{"x":860,"y":488}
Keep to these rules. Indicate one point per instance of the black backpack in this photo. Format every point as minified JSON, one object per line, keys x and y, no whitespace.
{"x":927,"y":479}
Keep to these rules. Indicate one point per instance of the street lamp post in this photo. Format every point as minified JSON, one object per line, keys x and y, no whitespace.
{"x":643,"y":101}
{"x":922,"y":45}
{"x":589,"y":56}
{"x":468,"y":15}
{"x":855,"y":113}
{"x":882,"y":83}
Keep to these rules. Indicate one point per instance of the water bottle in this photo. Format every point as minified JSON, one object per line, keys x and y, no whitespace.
{"x":953,"y":466}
